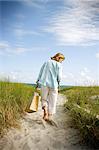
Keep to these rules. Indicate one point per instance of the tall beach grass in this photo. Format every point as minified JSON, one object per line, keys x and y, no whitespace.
{"x":83,"y":105}
{"x":14,"y":98}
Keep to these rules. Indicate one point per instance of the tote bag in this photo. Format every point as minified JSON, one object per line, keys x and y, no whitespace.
{"x":35,"y":102}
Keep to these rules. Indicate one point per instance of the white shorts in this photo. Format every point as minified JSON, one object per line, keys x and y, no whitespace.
{"x":49,"y":98}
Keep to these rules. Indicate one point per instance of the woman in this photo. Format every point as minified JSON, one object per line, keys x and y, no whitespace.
{"x":49,"y":79}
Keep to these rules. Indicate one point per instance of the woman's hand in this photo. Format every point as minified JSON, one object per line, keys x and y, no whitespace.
{"x":58,"y":88}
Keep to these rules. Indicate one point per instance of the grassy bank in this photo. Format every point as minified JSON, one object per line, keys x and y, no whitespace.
{"x":14,"y":98}
{"x":83,"y":104}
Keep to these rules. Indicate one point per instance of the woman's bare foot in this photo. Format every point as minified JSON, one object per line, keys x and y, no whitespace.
{"x":45,"y":117}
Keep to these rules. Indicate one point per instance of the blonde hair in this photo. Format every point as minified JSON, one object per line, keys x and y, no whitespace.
{"x":58,"y":55}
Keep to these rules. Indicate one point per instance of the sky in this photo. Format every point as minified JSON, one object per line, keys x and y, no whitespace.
{"x":32,"y":31}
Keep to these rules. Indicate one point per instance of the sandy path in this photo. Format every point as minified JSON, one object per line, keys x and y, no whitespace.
{"x":37,"y":135}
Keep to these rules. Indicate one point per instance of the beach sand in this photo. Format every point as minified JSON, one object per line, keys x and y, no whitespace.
{"x":37,"y":134}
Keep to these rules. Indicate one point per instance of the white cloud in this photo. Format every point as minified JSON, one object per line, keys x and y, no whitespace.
{"x":18,"y":25}
{"x":4,"y":45}
{"x":20,"y":16}
{"x":97,"y":55}
{"x":86,"y":70}
{"x":75,"y":25}
{"x":18,"y":76}
{"x":68,"y":79}
{"x":17,"y":50}
{"x":83,"y":78}
{"x":7,"y":49}
{"x":20,"y":33}
{"x":68,"y":75}
{"x":35,"y":3}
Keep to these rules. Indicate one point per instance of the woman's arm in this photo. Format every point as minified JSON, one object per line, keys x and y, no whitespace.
{"x":59,"y":75}
{"x":40,"y":73}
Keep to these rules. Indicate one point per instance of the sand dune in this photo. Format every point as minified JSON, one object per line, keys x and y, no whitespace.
{"x":36,"y":134}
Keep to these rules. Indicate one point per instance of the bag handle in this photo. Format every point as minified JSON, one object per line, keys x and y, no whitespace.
{"x":36,"y":90}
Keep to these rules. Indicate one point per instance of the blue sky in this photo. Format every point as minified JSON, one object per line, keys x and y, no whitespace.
{"x":31,"y":31}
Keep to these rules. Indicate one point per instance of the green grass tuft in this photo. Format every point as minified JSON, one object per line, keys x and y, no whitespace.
{"x":14,"y":98}
{"x":83,"y":104}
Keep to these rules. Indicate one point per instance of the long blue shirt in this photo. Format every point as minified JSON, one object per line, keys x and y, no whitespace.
{"x":50,"y":74}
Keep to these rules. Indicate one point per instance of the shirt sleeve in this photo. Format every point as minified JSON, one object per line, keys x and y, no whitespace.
{"x":41,"y":71}
{"x":59,"y":76}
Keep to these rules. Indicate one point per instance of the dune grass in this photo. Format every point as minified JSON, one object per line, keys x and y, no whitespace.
{"x":14,"y":98}
{"x":83,"y":104}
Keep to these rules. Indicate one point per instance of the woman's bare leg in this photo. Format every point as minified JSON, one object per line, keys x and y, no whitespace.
{"x":45,"y":116}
